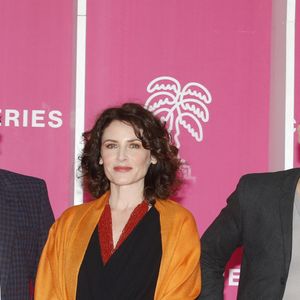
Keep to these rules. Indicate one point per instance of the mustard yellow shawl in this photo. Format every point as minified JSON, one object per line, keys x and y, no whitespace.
{"x":179,"y":273}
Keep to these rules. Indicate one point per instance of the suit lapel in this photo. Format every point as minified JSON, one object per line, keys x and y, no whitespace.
{"x":286,"y":204}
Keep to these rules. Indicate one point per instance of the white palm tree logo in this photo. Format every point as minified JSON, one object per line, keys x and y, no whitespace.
{"x":179,"y":108}
{"x":184,"y":108}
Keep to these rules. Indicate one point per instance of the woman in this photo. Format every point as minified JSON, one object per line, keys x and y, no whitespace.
{"x":130,"y":243}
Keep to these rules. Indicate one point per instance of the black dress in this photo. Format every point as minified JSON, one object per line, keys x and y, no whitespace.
{"x":131,"y":272}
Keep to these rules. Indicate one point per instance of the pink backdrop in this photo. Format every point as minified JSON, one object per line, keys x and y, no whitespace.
{"x":36,"y":75}
{"x":224,"y":46}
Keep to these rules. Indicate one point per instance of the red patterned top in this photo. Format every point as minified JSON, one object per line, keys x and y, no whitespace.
{"x":105,"y":229}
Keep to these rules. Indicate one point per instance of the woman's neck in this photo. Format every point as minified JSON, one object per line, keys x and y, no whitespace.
{"x":125,"y":197}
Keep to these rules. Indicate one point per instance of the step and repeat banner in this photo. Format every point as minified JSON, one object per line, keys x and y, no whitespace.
{"x":203,"y":66}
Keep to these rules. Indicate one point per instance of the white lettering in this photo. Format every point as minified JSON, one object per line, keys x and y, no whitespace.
{"x":37,"y":115}
{"x":25,"y":118}
{"x":56,"y":121}
{"x":12,"y":115}
{"x":233,"y":277}
{"x":31,"y":118}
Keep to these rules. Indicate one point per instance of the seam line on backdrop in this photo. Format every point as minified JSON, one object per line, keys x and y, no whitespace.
{"x":79,"y":96}
{"x":289,"y":88}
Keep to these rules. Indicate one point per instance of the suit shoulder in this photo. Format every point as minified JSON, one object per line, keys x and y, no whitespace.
{"x":18,"y":179}
{"x":268,"y":177}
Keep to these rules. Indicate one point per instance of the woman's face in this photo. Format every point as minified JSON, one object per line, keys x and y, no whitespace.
{"x":123,"y":156}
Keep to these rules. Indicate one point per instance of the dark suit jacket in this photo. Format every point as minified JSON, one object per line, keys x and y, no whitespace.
{"x":25,"y":218}
{"x":258,"y":216}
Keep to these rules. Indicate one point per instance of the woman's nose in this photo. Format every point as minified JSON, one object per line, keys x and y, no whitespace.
{"x":122,"y":153}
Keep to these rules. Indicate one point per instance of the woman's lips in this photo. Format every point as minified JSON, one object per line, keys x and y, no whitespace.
{"x":122,"y":169}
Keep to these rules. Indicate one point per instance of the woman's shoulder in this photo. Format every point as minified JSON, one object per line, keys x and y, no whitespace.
{"x":75,"y":213}
{"x":175,"y":219}
{"x":172,"y":208}
{"x":77,"y":209}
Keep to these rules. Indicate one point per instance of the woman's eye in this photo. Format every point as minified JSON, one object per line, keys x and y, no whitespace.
{"x":110,"y":146}
{"x":135,"y":146}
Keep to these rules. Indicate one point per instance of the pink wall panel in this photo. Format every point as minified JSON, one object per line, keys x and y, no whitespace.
{"x":36,"y":92}
{"x":130,"y":45}
{"x":224,"y":46}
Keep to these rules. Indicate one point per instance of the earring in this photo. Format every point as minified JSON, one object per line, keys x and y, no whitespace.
{"x":153,"y":160}
{"x":100,"y":161}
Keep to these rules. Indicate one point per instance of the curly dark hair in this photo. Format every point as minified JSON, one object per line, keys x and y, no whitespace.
{"x":162,"y":179}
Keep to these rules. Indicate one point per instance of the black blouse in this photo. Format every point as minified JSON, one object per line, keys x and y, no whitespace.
{"x":131,"y":272}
